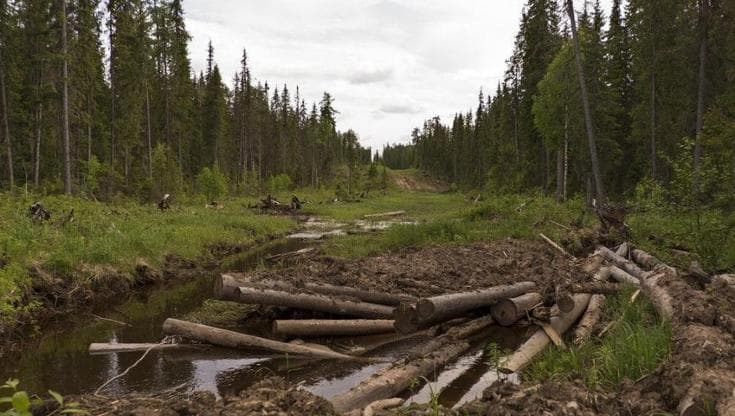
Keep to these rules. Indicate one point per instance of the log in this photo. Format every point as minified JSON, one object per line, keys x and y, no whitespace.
{"x":539,"y":340}
{"x":231,"y":339}
{"x":623,"y":250}
{"x":625,"y":264}
{"x":724,"y":279}
{"x":644,"y":259}
{"x":385,"y":214}
{"x":443,"y":307}
{"x":331,"y":327}
{"x":113,"y":347}
{"x":225,"y":288}
{"x":596,"y":287}
{"x":659,"y":296}
{"x":508,"y":311}
{"x":319,"y":303}
{"x":406,"y":319}
{"x":594,"y":311}
{"x":381,"y":405}
{"x":392,"y":380}
{"x":556,"y":246}
{"x":621,"y":276}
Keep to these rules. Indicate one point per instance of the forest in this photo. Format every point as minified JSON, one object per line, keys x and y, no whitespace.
{"x":660,"y":78}
{"x":100,"y":99}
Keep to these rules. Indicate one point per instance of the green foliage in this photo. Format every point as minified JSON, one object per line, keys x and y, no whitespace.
{"x":166,"y":173}
{"x":634,"y":347}
{"x":20,"y":403}
{"x":278,"y":183}
{"x":212,"y":183}
{"x":92,"y":170}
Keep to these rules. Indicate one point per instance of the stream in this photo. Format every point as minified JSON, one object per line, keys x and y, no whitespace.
{"x":60,"y":360}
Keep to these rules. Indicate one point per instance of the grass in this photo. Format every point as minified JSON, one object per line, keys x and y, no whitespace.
{"x":633,"y":348}
{"x":113,"y":235}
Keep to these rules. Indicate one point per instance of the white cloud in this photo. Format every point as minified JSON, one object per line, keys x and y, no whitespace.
{"x":389,"y":64}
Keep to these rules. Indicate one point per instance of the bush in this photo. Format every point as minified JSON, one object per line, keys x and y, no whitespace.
{"x":279,"y":183}
{"x":212,"y":183}
{"x":167,"y":175}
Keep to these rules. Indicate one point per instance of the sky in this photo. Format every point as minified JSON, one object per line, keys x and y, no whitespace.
{"x":389,"y":64}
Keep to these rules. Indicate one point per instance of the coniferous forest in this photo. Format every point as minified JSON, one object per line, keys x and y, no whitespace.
{"x":660,"y":77}
{"x":100,"y":98}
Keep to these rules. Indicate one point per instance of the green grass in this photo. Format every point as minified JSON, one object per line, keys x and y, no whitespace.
{"x":633,"y":348}
{"x":113,"y":235}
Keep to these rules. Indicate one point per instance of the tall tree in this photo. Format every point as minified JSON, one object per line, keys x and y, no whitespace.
{"x":4,"y":47}
{"x":65,"y":100}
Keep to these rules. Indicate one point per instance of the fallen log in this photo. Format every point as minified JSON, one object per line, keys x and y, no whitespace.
{"x":644,"y":259}
{"x":539,"y":340}
{"x":593,"y":313}
{"x":444,"y":307}
{"x":381,"y":405}
{"x":623,"y":250}
{"x":113,"y":347}
{"x":392,"y":380}
{"x":556,"y":246}
{"x":406,"y":319}
{"x":226,"y":288}
{"x":623,"y":263}
{"x":319,"y":303}
{"x":621,"y":276}
{"x":385,"y":214}
{"x":507,"y":311}
{"x":331,"y":327}
{"x":231,"y":339}
{"x":598,"y":287}
{"x":724,"y":279}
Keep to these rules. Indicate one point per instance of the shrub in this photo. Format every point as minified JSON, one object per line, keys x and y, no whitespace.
{"x":279,"y":183}
{"x":212,"y":183}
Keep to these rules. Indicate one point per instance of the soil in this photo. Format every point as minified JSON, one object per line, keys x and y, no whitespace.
{"x":269,"y":397}
{"x":416,"y":182}
{"x":439,"y":269}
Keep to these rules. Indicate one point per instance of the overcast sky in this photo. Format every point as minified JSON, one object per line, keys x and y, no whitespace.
{"x":389,"y":64}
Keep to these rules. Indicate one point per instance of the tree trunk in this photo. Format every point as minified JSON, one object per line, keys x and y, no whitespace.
{"x":703,"y":30}
{"x":508,"y":311}
{"x":398,"y":377}
{"x":65,"y":102}
{"x":621,"y":276}
{"x":444,"y":307}
{"x":148,"y":130}
{"x":230,"y":339}
{"x":6,"y":124}
{"x":599,"y":188}
{"x":109,"y":348}
{"x":559,"y":175}
{"x":598,"y":287}
{"x":538,"y":341}
{"x":654,"y":169}
{"x":37,"y":148}
{"x":317,"y":303}
{"x":331,"y":327}
{"x":227,"y":288}
{"x":594,"y":310}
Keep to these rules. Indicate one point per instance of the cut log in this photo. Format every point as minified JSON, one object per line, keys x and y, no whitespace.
{"x":113,"y":347}
{"x":385,"y":214}
{"x":508,"y":311}
{"x":621,"y":276}
{"x":317,"y":303}
{"x":406,"y":319}
{"x":596,"y":287}
{"x":539,"y":340}
{"x":659,"y":296}
{"x":724,"y":279}
{"x":231,"y":339}
{"x":381,"y":405}
{"x":623,"y":263}
{"x":226,"y":287}
{"x":394,"y":379}
{"x":622,"y":250}
{"x":556,"y":246}
{"x":594,"y":311}
{"x":331,"y":327}
{"x":444,"y":307}
{"x":644,"y":259}
{"x":564,"y":301}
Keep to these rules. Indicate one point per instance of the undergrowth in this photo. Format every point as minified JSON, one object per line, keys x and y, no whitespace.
{"x":633,"y":348}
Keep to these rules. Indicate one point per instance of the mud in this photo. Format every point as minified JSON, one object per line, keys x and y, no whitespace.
{"x":439,"y":269}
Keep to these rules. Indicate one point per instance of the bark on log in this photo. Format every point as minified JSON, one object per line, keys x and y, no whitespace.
{"x":538,"y":341}
{"x":406,"y":319}
{"x":318,"y":303}
{"x":599,"y":287}
{"x":331,"y":327}
{"x":398,"y":377}
{"x":508,"y":311}
{"x":621,"y":276}
{"x":231,"y":339}
{"x":227,"y":285}
{"x":593,"y":313}
{"x":109,"y":348}
{"x":623,"y":250}
{"x":644,"y":259}
{"x":724,"y":279}
{"x":444,"y":307}
{"x":621,"y":262}
{"x":659,"y":296}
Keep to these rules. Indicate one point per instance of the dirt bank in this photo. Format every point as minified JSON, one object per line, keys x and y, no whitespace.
{"x":415,"y":181}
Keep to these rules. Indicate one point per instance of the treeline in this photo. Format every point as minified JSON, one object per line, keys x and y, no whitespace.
{"x":661,"y":81}
{"x":142,"y":123}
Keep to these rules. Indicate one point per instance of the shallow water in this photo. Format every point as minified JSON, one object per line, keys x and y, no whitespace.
{"x":60,"y":359}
